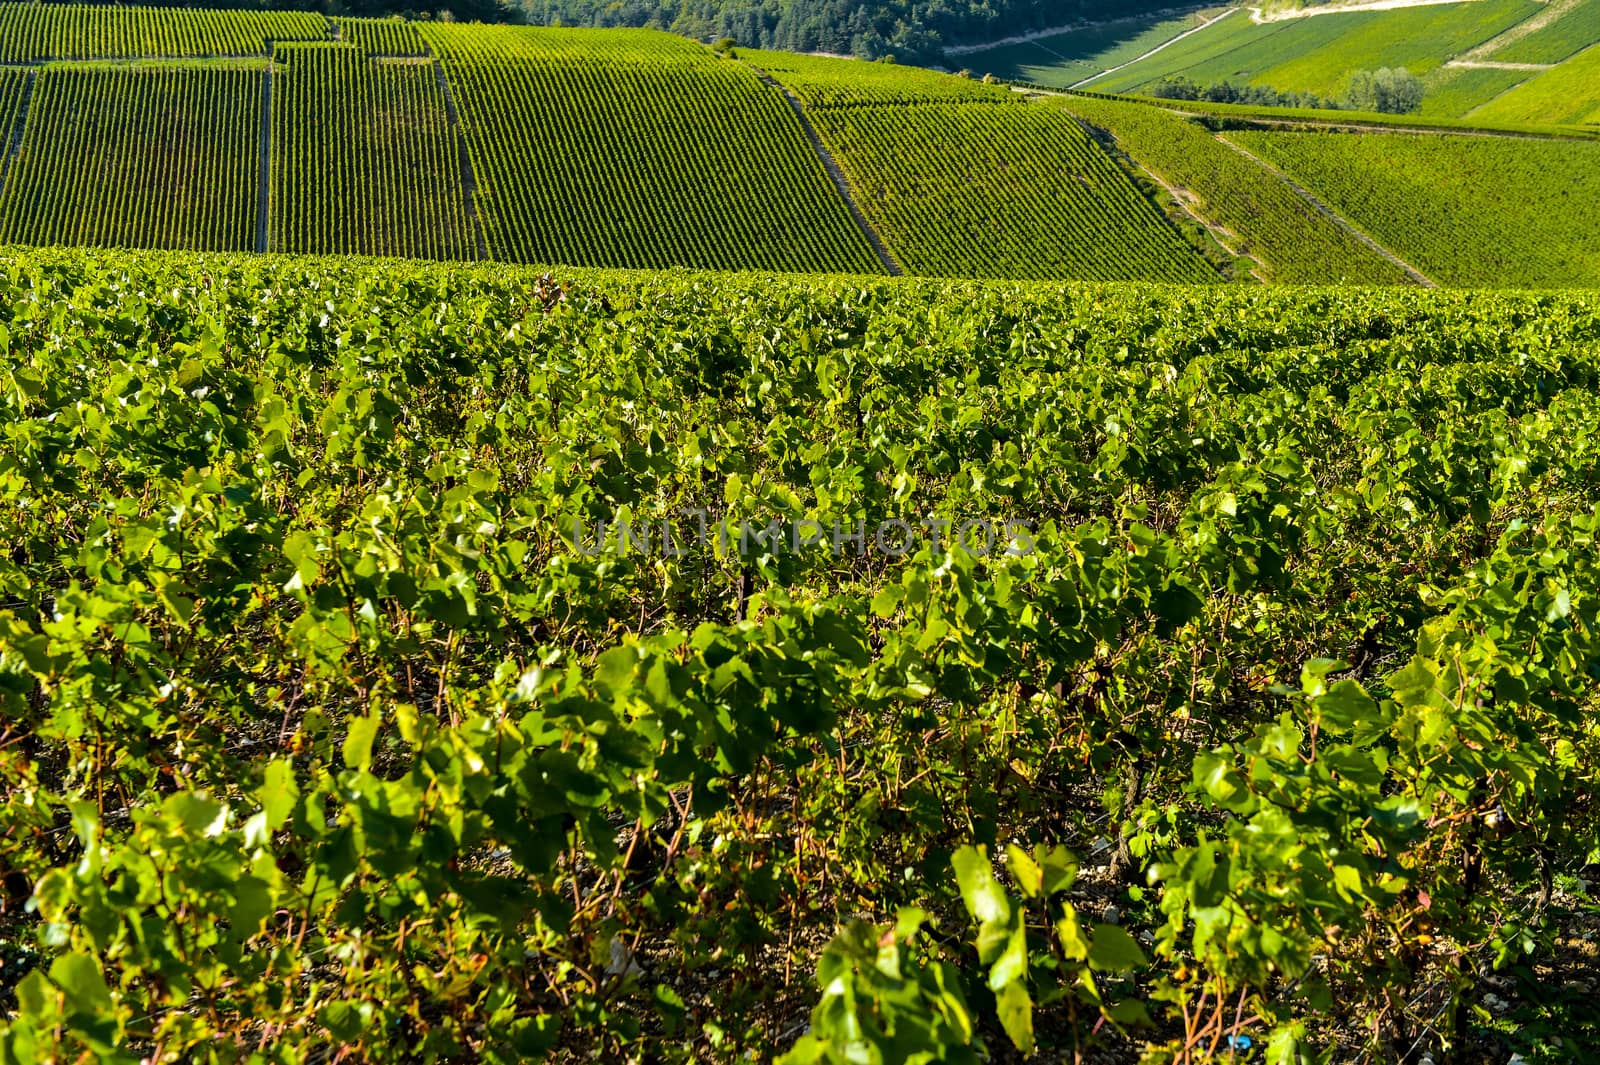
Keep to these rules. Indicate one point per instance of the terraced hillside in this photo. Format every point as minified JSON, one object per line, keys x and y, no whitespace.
{"x":1470,"y":54}
{"x":1569,"y":92}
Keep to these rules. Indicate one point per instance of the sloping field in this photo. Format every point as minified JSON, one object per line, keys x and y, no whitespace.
{"x":1271,"y":221}
{"x":987,"y":186}
{"x":363,"y":158}
{"x":144,"y":157}
{"x":13,"y":86}
{"x":1319,"y":54}
{"x":1569,"y":93}
{"x":1453,"y":92}
{"x":1465,"y":210}
{"x":1568,"y":35}
{"x":1064,"y":59}
{"x":30,"y":33}
{"x":639,"y":149}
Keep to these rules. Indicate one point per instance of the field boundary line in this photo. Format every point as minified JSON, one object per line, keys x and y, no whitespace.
{"x":1185,"y":199}
{"x":264,"y":187}
{"x":469,"y":179}
{"x":1164,"y":45}
{"x":1035,"y":36}
{"x":8,"y":162}
{"x":1331,"y":215}
{"x":836,"y":172}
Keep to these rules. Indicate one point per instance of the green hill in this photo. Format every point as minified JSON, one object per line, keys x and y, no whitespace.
{"x":292,"y":133}
{"x":1470,"y":54}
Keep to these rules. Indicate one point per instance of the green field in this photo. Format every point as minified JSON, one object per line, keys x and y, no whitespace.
{"x":137,"y":156}
{"x":1028,"y":194}
{"x":1568,"y":93}
{"x":1568,"y":35}
{"x":1268,"y":219}
{"x":1465,"y":210}
{"x":331,"y":725}
{"x":1455,"y":92}
{"x":32,"y":33}
{"x":363,"y":158}
{"x":642,"y":149}
{"x":1064,"y":59}
{"x":1319,"y":53}
{"x":642,"y":119}
{"x":382,"y":37}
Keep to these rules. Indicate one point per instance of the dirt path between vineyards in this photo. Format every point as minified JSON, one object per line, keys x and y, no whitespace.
{"x":1553,"y":10}
{"x":1260,"y":18}
{"x":831,"y":165}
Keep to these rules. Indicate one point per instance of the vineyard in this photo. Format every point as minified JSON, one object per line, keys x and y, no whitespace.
{"x":1567,"y":93}
{"x":1465,"y":210}
{"x":179,"y":128}
{"x":1267,"y":219}
{"x":364,"y":160}
{"x":1568,"y":35}
{"x":35,"y":32}
{"x":1029,"y":194}
{"x":1454,"y":92}
{"x":382,"y":37}
{"x":666,"y":155}
{"x":137,"y":156}
{"x":1319,"y":54}
{"x":1062,"y":60}
{"x":1196,"y":672}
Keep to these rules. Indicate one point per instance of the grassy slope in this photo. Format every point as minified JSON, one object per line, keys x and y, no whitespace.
{"x":1569,"y":93}
{"x":1318,"y":54}
{"x":1453,"y":92}
{"x":1068,"y":58}
{"x":1480,"y":211}
{"x":1562,"y":39}
{"x":1418,"y":39}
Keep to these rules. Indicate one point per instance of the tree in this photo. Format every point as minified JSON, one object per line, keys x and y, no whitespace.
{"x":1387,"y":91}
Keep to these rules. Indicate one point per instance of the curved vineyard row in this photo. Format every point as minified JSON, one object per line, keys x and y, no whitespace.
{"x":1465,"y":210}
{"x":1272,"y":223}
{"x":146,"y":157}
{"x":363,"y":158}
{"x":655,"y":155}
{"x":983,"y":184}
{"x":30,"y":33}
{"x":314,"y":654}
